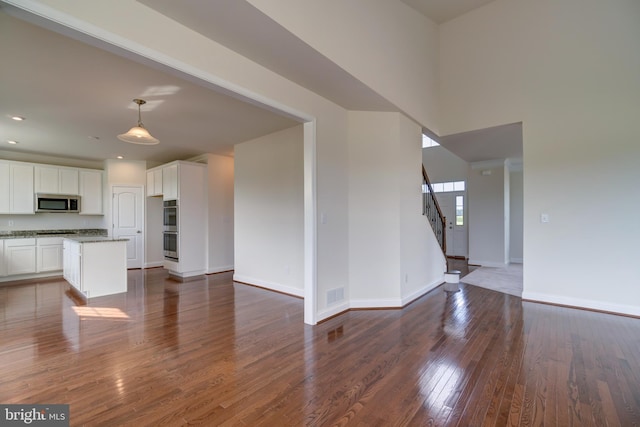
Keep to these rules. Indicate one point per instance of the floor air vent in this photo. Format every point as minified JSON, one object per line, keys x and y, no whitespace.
{"x":335,"y":295}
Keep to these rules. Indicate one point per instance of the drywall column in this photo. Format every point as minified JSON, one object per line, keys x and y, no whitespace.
{"x":269,"y":212}
{"x":393,"y":253}
{"x":220,"y":213}
{"x":488,"y":187}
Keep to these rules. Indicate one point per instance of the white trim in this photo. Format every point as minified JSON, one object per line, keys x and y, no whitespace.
{"x":153,"y":264}
{"x":488,"y":263}
{"x":332,"y":311}
{"x":420,"y":292}
{"x":269,"y":285}
{"x":220,"y":269}
{"x":42,"y":275}
{"x":310,"y":225}
{"x":581,"y":303}
{"x":186,"y":274}
{"x":516,"y":260}
{"x":113,"y":42}
{"x":376,"y":303}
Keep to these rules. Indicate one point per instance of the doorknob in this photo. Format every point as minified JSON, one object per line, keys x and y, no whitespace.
{"x":138,"y":231}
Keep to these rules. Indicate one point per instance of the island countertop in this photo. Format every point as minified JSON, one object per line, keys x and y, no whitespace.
{"x":94,"y":239}
{"x":29,"y":234}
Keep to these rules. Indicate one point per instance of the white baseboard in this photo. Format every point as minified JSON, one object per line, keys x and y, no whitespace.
{"x":269,"y":285}
{"x":376,"y":303}
{"x":516,"y":260}
{"x":581,"y":303}
{"x":154,"y":264}
{"x":332,"y":311}
{"x":417,"y":294}
{"x":395,"y":302}
{"x":488,"y":263}
{"x":219,"y":269}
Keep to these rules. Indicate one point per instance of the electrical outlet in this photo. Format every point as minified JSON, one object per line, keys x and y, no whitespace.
{"x":10,"y":223}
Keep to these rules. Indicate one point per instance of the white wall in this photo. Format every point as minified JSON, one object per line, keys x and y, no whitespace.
{"x":444,"y":166}
{"x":154,"y":245}
{"x":486,"y":199}
{"x":385,"y":44}
{"x":391,"y":248}
{"x":269,"y":233}
{"x":516,"y":193}
{"x":220,"y":213}
{"x":569,"y":71}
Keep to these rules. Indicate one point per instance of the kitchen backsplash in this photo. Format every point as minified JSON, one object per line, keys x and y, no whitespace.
{"x":51,"y":221}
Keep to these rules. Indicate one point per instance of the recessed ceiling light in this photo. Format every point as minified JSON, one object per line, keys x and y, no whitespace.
{"x":12,"y":142}
{"x":120,"y":157}
{"x":94,"y":137}
{"x":17,"y":118}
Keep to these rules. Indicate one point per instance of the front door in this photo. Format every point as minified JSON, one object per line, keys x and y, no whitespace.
{"x":128,"y":221}
{"x":453,"y":205}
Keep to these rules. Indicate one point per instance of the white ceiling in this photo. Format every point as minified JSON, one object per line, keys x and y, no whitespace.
{"x":441,"y":11}
{"x":71,"y":91}
{"x":498,"y":142}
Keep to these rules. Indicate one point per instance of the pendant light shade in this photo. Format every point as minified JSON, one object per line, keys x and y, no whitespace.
{"x":138,"y":134}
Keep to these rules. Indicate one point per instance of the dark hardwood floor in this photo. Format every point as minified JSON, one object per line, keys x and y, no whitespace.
{"x":215,"y":353}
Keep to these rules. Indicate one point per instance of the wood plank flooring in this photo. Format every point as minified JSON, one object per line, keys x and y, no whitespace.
{"x":215,"y":353}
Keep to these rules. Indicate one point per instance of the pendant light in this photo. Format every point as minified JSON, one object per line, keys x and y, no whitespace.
{"x":138,"y":134}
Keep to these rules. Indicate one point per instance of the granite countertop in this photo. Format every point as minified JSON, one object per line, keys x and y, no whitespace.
{"x":29,"y":234}
{"x":94,"y":239}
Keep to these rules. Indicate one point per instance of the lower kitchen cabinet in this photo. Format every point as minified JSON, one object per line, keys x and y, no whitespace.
{"x":20,"y":256}
{"x":49,"y":254}
{"x":95,"y":267}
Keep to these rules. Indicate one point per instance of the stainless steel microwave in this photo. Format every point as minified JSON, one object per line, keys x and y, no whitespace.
{"x":57,"y":203}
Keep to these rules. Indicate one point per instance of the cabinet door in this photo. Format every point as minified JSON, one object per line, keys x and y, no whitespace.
{"x":49,"y":258}
{"x":157,"y":182}
{"x":5,"y":188}
{"x":170,"y":182}
{"x":151,"y":191}
{"x":21,"y":198}
{"x":68,"y":181}
{"x":20,"y":257}
{"x":47,"y":179}
{"x":91,"y":192}
{"x":71,"y":263}
{"x":49,"y":254}
{"x":3,"y":269}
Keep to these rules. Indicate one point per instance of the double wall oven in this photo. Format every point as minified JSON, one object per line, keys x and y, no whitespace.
{"x":170,"y":234}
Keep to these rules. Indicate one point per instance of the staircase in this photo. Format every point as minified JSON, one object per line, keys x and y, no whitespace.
{"x":431,"y":209}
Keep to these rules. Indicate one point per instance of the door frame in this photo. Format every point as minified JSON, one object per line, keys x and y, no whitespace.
{"x":143,"y":224}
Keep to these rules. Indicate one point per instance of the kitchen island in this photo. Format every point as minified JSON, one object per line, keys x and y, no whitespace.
{"x":95,"y":266}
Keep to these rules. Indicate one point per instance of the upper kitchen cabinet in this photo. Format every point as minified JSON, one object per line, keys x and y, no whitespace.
{"x":154,"y":182}
{"x":16,"y":188}
{"x":170,"y":182}
{"x":56,"y":180}
{"x":90,"y":192}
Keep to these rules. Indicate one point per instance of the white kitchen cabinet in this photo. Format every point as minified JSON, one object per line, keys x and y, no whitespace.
{"x":3,"y":268}
{"x":90,"y":192}
{"x":16,"y":188}
{"x":94,"y":266}
{"x":192,"y":217}
{"x":71,"y":262}
{"x":48,"y":254}
{"x":20,"y":256}
{"x":56,"y":180}
{"x":154,"y":182}
{"x":170,"y":181}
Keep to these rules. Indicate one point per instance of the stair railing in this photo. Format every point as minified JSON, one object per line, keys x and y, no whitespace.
{"x":431,"y":209}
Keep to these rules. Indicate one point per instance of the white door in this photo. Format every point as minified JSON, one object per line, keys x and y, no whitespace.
{"x":128,"y":221}
{"x":453,"y":205}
